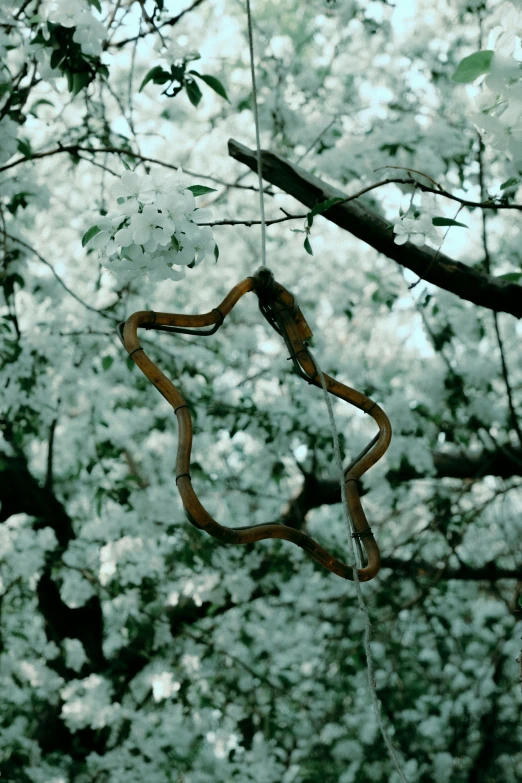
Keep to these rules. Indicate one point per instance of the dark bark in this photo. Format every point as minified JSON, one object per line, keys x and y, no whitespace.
{"x":505,"y":462}
{"x":21,"y":493}
{"x":364,"y":223}
{"x":486,"y":573}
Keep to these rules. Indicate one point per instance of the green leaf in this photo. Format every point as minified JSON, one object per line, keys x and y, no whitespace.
{"x":175,"y":242}
{"x":213,"y":83}
{"x":511,"y":277}
{"x":121,"y":200}
{"x":509,"y":183}
{"x":193,"y":91}
{"x":79,"y":81}
{"x":90,"y":234}
{"x":442,"y":221}
{"x":324,"y":205}
{"x":156,"y":75}
{"x":309,"y":219}
{"x":308,"y":247}
{"x":56,"y":58}
{"x":200,"y":190}
{"x":216,"y":253}
{"x":470,"y":68}
{"x":25,"y":148}
{"x":96,"y":4}
{"x":126,"y":167}
{"x":106,"y":362}
{"x":130,"y":364}
{"x":520,"y":599}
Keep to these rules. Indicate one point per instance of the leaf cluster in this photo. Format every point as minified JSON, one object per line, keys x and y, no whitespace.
{"x":178,"y":79}
{"x":80,"y":69}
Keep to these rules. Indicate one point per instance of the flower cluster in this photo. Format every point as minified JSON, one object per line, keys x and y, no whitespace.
{"x":89,"y":33}
{"x":499,"y":105}
{"x":155,"y":230}
{"x":416,"y":224}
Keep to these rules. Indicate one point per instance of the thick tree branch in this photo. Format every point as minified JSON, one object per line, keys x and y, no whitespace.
{"x":488,"y":572}
{"x":21,"y":493}
{"x":505,"y":462}
{"x":436,"y":268}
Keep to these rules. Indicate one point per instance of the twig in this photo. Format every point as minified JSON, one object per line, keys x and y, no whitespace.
{"x":74,"y":149}
{"x":487,"y":263}
{"x":57,"y":276}
{"x":169,"y":23}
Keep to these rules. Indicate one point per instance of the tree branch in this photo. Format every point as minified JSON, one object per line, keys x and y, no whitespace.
{"x":168,"y":23}
{"x":436,"y":268}
{"x":21,"y":493}
{"x":75,"y":149}
{"x":505,"y":462}
{"x":488,"y":572}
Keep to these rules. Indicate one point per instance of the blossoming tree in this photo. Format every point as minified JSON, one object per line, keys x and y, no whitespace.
{"x":133,"y":646}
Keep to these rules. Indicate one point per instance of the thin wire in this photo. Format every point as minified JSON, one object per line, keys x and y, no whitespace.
{"x":258,"y":141}
{"x":360,"y":598}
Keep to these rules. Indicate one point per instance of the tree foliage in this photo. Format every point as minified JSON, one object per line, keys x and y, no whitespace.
{"x":133,"y":646}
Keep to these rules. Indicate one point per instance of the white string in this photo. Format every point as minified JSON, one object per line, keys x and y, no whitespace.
{"x":347,"y":519}
{"x":360,"y":598}
{"x":258,"y":142}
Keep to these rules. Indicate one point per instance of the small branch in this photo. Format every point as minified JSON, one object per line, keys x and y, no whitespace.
{"x":22,"y":8}
{"x":509,"y":390}
{"x":440,"y":191}
{"x":74,"y":149}
{"x":360,"y":220}
{"x":250,"y":223}
{"x":487,"y":262}
{"x":134,"y":469}
{"x":169,"y":23}
{"x":58,"y":278}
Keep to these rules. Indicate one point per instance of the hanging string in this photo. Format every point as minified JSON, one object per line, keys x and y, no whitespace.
{"x":349,"y":524}
{"x":258,"y":142}
{"x":360,"y":597}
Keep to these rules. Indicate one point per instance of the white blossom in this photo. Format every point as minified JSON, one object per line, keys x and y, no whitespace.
{"x":419,"y":228}
{"x":155,"y":230}
{"x":90,"y":33}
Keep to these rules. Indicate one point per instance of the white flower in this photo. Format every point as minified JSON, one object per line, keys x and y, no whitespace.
{"x":200,"y":215}
{"x":151,"y":226}
{"x":68,"y":13}
{"x":183,"y":256}
{"x":177,"y":202}
{"x":205,"y":244}
{"x":131,"y":185}
{"x":429,"y":204}
{"x":403,"y":230}
{"x":510,"y":28}
{"x":417,"y":230}
{"x":155,"y":230}
{"x":501,"y":136}
{"x":90,"y":34}
{"x":124,"y":237}
{"x":163,"y":686}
